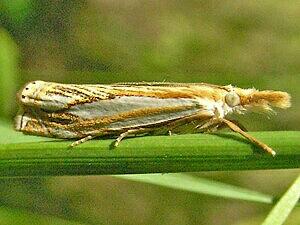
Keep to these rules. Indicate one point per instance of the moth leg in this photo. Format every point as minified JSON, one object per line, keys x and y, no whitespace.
{"x":210,"y":125}
{"x":215,"y":124}
{"x":126,"y":133}
{"x":235,"y":128}
{"x":80,"y":141}
{"x":196,"y":117}
{"x":237,"y":123}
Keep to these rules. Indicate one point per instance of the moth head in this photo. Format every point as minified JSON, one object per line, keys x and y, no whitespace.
{"x":263,"y":101}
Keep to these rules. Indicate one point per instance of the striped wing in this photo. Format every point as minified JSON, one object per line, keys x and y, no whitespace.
{"x":56,"y":97}
{"x":108,"y":116}
{"x":53,"y":97}
{"x":79,"y":110}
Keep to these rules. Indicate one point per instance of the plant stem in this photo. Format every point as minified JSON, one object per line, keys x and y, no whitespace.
{"x":155,"y":154}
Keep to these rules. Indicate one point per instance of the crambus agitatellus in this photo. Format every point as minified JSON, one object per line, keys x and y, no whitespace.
{"x":84,"y":112}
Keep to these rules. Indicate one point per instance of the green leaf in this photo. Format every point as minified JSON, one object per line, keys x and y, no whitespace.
{"x":285,"y":205}
{"x":200,"y":185}
{"x":22,"y":155}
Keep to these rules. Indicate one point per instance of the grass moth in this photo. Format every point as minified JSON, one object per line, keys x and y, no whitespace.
{"x":84,"y":112}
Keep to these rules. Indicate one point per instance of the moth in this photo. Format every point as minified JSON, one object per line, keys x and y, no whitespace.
{"x":83,"y":112}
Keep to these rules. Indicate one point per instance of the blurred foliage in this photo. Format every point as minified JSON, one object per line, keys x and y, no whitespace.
{"x":246,"y":43}
{"x":15,"y":12}
{"x":8,"y":74}
{"x":243,"y":37}
{"x":21,"y":217}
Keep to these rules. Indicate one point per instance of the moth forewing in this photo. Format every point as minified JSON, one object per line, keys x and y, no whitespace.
{"x":88,"y":111}
{"x":55,"y":97}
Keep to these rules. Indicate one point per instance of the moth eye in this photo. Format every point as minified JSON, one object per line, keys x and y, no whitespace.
{"x":232,"y":99}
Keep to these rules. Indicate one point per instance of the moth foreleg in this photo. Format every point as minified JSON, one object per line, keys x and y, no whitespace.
{"x":237,"y":129}
{"x":215,"y":124}
{"x":223,"y":125}
{"x":80,"y":141}
{"x":237,"y":123}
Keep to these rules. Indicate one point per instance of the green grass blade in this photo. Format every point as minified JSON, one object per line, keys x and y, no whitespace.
{"x":22,"y":155}
{"x":200,"y":185}
{"x":285,"y":205}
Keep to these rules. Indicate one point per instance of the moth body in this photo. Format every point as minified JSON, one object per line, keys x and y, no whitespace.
{"x":88,"y":111}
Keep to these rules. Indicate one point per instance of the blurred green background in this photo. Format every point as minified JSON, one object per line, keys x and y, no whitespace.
{"x":244,"y":43}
